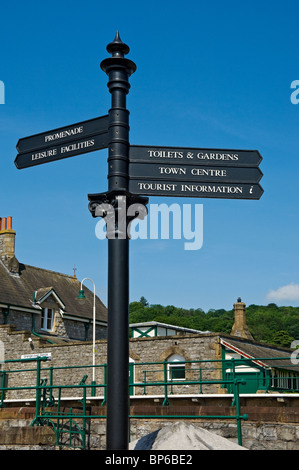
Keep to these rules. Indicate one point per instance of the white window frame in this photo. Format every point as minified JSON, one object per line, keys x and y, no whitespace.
{"x":47,"y":314}
{"x":175,"y":358}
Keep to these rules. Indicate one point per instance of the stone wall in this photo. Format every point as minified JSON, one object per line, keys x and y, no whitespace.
{"x":190,"y":347}
{"x":255,"y":435}
{"x":142,"y":350}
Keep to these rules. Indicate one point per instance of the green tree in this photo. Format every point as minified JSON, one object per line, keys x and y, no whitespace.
{"x":282,"y":338}
{"x":143,"y":301}
{"x":269,"y":324}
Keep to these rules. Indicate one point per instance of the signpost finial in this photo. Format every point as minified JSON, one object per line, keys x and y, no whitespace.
{"x":117,"y":48}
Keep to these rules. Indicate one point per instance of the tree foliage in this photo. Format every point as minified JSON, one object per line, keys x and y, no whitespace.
{"x":269,"y":324}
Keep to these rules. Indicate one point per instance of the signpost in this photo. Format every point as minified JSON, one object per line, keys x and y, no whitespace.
{"x":135,"y":172}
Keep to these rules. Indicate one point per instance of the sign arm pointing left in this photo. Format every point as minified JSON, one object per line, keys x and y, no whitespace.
{"x":68,"y":141}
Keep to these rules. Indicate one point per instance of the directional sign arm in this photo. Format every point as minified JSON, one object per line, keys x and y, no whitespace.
{"x":64,"y":134}
{"x":58,"y":152}
{"x":201,"y":190}
{"x":191,"y":156}
{"x":194,"y":173}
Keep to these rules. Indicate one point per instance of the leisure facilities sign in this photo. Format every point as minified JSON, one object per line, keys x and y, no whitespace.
{"x":67,"y":141}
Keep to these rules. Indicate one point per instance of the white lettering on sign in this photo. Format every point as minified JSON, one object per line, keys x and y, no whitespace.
{"x":63,"y":150}
{"x":192,"y":188}
{"x":62,"y":134}
{"x":207,"y":172}
{"x":77,"y":146}
{"x":199,"y":188}
{"x":165,"y":154}
{"x":35,"y":356}
{"x":46,"y":153}
{"x":217,"y":156}
{"x":157,"y":186}
{"x":168,"y":170}
{"x":178,"y":154}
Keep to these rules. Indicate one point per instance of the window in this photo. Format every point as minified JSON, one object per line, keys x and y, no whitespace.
{"x":47,"y":319}
{"x":176,"y":368}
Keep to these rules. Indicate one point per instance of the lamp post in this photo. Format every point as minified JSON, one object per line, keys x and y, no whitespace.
{"x":81,"y":296}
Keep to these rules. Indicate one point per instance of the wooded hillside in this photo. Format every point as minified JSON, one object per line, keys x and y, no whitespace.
{"x":270,"y":324}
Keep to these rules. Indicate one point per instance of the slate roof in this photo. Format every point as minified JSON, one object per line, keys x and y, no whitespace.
{"x":18,"y":290}
{"x":272,"y":354}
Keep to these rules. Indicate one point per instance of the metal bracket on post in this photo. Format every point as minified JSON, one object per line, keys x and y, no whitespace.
{"x":118,"y":209}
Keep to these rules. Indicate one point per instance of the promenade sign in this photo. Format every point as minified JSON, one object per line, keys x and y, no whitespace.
{"x":63,"y":142}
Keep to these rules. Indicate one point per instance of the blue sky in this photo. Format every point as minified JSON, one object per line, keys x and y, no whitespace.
{"x":209,"y":74}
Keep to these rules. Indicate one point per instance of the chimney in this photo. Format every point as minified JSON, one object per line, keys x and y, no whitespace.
{"x":7,"y":245}
{"x":240,"y":327}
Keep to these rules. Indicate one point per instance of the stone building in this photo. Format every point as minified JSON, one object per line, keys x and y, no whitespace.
{"x":44,"y":302}
{"x":263,"y":367}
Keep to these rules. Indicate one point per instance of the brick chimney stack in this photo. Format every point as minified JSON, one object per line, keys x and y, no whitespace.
{"x":240,"y":327}
{"x":7,"y":245}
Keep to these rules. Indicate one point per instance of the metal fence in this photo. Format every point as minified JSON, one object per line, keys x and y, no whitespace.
{"x":50,"y":387}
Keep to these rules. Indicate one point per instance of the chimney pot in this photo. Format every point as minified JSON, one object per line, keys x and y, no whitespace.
{"x":9,"y":223}
{"x":4,"y":223}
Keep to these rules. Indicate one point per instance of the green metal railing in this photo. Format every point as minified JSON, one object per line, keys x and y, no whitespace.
{"x":70,"y":425}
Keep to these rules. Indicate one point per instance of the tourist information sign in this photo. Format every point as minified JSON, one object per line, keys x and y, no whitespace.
{"x":63,"y":142}
{"x":202,"y":190}
{"x":136,"y":172}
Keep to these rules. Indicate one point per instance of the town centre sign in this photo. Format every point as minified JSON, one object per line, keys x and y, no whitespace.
{"x":136,"y":172}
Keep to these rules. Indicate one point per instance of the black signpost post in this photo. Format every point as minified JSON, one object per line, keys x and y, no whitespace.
{"x":135,"y":172}
{"x":118,"y":69}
